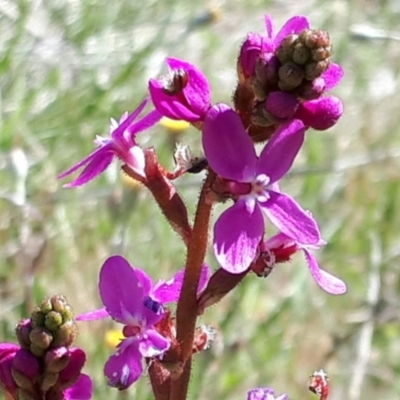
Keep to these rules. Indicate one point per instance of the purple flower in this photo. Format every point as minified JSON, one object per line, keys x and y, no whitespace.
{"x":281,"y":247}
{"x":264,"y":394}
{"x":184,"y":94}
{"x":130,"y":298}
{"x":121,"y":144}
{"x":231,"y":154}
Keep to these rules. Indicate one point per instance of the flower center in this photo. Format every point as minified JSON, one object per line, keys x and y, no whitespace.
{"x":131,"y":330}
{"x":260,"y":188}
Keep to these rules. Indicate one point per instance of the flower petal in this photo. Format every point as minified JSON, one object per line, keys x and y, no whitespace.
{"x":169,"y":291}
{"x":120,"y":288}
{"x":332,"y":76}
{"x":287,"y":215}
{"x":93,"y":315}
{"x":237,"y":234}
{"x":264,"y":394}
{"x":73,"y":369}
{"x":325,"y":280}
{"x":153,"y":344}
{"x":81,"y":163}
{"x":279,"y":153}
{"x":144,"y":123}
{"x":293,"y":25}
{"x":227,"y":146}
{"x":95,"y":167}
{"x":124,"y":367}
{"x":170,"y":105}
{"x":269,"y":27}
{"x":81,"y":390}
{"x":197,"y":92}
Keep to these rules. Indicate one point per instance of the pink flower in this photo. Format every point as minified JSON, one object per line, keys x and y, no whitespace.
{"x":280,"y":247}
{"x":184,"y":95}
{"x":121,"y":144}
{"x":231,"y":154}
{"x":131,"y":299}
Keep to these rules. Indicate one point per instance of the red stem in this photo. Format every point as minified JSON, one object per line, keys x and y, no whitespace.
{"x":186,"y":313}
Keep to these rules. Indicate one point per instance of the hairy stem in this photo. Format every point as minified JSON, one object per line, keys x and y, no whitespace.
{"x":186,"y":313}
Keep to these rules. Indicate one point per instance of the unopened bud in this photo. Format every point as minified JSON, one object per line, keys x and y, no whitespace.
{"x":41,"y":338}
{"x":56,"y":359}
{"x":65,"y":334}
{"x":58,"y":302}
{"x":37,"y":318}
{"x":48,"y":381}
{"x":22,"y":332}
{"x":53,"y":320}
{"x":46,"y":306}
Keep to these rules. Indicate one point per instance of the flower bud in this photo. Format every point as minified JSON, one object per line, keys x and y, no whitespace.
{"x":59,"y":303}
{"x":56,"y":359}
{"x":53,"y":320}
{"x":41,"y":338}
{"x":22,"y":332}
{"x":48,"y":381}
{"x":65,"y":334}
{"x":37,"y":318}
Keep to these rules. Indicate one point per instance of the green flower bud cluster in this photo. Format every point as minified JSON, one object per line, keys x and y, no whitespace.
{"x":303,"y":58}
{"x":45,"y":339}
{"x":51,"y":325}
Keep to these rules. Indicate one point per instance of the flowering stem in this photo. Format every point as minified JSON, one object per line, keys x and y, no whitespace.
{"x":186,"y":313}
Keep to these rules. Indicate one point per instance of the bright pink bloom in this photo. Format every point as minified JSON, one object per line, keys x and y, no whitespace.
{"x":131,"y":299}
{"x":231,"y":154}
{"x":281,"y":247}
{"x":121,"y":144}
{"x":184,"y":95}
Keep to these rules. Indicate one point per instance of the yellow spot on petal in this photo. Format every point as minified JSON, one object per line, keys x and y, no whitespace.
{"x":174,"y":126}
{"x":113,"y":337}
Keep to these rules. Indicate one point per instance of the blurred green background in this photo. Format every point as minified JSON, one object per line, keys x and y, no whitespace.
{"x":67,"y":66}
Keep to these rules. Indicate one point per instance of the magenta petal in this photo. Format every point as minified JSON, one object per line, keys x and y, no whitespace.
{"x":26,"y":363}
{"x":124,"y":367}
{"x":153,"y":344}
{"x":281,"y":105}
{"x":73,"y":369}
{"x":269,"y":26}
{"x":237,"y":234}
{"x":197,"y":92}
{"x":7,"y":354}
{"x":287,"y":215}
{"x":170,"y":105}
{"x":169,"y":291}
{"x":145,"y":281}
{"x":332,"y":76}
{"x":120,"y":289}
{"x":93,"y":315}
{"x":321,"y":113}
{"x":227,"y":146}
{"x":81,"y":390}
{"x":81,"y":163}
{"x":293,"y":25}
{"x":144,"y":123}
{"x":325,"y":280}
{"x":96,"y":166}
{"x":279,"y":153}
